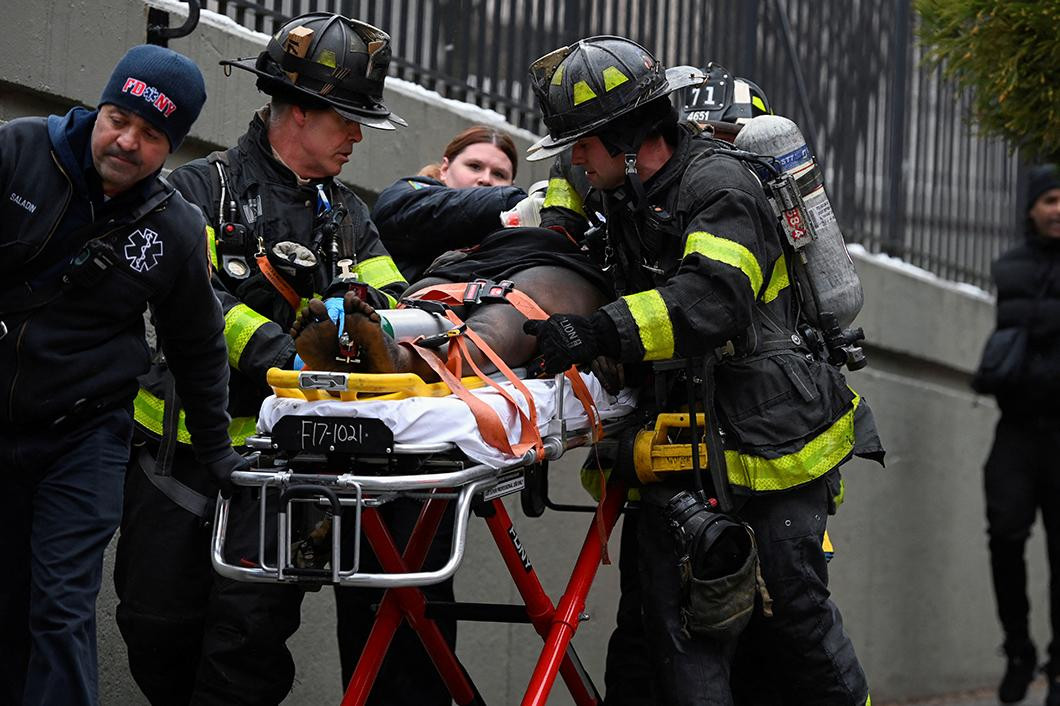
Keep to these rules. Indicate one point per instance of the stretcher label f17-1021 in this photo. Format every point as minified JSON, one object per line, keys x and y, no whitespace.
{"x":332,"y":435}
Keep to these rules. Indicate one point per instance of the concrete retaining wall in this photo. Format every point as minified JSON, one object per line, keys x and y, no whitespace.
{"x":911,"y":572}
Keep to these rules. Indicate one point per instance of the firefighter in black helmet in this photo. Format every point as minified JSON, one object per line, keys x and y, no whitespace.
{"x":722,"y":97}
{"x":703,"y":279}
{"x":342,"y":65}
{"x":193,"y":636}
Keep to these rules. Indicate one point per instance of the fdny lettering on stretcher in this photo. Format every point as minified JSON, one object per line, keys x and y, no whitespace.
{"x":527,"y":566}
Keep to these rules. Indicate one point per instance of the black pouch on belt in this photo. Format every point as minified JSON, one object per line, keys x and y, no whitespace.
{"x":719,"y":569}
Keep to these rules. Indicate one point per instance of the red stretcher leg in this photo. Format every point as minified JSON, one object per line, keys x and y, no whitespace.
{"x":539,"y":607}
{"x":407,"y":603}
{"x":565,"y":620}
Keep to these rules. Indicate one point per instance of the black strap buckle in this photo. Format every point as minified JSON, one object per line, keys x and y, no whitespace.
{"x":439,"y":339}
{"x":484,"y":291}
{"x":428,"y":305}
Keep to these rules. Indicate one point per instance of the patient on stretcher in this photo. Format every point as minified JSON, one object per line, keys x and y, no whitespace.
{"x":558,"y":279}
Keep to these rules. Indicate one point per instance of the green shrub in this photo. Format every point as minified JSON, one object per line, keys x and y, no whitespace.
{"x":1007,"y":54}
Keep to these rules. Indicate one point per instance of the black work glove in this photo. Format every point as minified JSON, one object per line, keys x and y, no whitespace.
{"x":568,"y":339}
{"x":221,"y":471}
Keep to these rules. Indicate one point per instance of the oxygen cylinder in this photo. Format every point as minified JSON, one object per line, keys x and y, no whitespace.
{"x":822,"y":262}
{"x":409,"y":323}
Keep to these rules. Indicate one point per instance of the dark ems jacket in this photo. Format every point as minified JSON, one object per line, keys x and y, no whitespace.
{"x":704,"y":265}
{"x":420,"y":218}
{"x":268,"y":199}
{"x":77,"y":275}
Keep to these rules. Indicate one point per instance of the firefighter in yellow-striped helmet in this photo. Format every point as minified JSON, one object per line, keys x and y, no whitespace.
{"x":583,"y":87}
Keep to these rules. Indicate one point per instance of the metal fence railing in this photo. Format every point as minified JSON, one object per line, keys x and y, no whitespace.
{"x":907,"y":173}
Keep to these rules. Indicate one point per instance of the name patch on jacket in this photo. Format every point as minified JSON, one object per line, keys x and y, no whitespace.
{"x":143,"y":250}
{"x":23,"y":202}
{"x":152,"y":95}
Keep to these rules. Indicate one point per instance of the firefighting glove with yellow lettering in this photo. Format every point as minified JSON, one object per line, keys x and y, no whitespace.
{"x":222,"y":469}
{"x":568,"y":339}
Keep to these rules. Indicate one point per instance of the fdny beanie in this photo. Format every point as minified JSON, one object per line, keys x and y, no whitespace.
{"x":1042,"y":178}
{"x":161,"y":86}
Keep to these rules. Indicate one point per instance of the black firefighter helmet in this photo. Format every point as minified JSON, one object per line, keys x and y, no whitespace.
{"x":585,"y":86}
{"x":321,"y":59}
{"x":722,"y":97}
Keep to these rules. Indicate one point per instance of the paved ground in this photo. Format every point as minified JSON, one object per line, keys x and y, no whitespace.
{"x":979,"y":697}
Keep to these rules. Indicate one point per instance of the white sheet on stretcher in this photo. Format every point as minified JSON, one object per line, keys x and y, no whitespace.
{"x":429,"y":420}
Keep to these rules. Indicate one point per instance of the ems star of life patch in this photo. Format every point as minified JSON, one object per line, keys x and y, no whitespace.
{"x":143,"y":250}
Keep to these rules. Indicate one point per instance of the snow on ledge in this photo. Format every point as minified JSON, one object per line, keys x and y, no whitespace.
{"x":898,"y":265}
{"x":468,"y":111}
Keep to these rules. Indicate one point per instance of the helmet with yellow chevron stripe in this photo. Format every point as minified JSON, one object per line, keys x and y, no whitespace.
{"x":583,"y":87}
{"x":324,"y":60}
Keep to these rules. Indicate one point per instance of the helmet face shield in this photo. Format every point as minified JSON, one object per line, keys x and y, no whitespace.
{"x":328,"y":60}
{"x":542,"y":70}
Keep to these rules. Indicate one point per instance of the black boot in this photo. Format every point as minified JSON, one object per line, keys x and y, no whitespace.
{"x":1022,"y":664}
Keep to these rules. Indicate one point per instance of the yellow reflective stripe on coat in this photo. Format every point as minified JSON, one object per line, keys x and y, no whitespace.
{"x":240,"y":324}
{"x":813,"y":460}
{"x":778,"y":280}
{"x":149,"y":412}
{"x":653,"y":324}
{"x":378,"y":271}
{"x":728,"y":251}
{"x":561,"y":193}
{"x":838,"y":499}
{"x":211,"y":246}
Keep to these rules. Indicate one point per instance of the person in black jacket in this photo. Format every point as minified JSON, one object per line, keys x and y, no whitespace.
{"x":450,"y":205}
{"x":90,"y":236}
{"x":1021,"y":473}
{"x":703,"y":279}
{"x":192,"y":635}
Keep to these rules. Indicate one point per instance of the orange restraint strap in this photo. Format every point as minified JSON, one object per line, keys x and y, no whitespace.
{"x":277,"y":281}
{"x":452,"y":294}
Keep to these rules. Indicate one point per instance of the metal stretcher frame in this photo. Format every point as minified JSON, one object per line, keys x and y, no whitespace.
{"x":402,"y":576}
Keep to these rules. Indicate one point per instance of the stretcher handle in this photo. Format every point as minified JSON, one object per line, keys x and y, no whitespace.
{"x":307,"y":490}
{"x":310,"y":492}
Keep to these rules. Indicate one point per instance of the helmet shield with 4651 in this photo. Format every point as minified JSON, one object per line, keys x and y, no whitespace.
{"x":583,"y":87}
{"x":324,"y":60}
{"x":723,"y":97}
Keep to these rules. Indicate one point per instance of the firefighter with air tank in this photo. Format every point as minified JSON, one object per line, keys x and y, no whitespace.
{"x":725,"y":313}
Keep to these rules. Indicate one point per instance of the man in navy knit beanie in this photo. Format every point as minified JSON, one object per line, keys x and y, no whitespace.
{"x":161,"y":86}
{"x":89,"y":237}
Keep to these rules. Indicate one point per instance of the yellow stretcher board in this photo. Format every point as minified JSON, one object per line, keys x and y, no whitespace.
{"x":324,"y":385}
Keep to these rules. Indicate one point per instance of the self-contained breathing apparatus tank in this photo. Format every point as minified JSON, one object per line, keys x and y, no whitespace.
{"x":827,"y":282}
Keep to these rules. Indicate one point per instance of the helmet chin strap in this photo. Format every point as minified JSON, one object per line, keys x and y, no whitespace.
{"x":638,"y":197}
